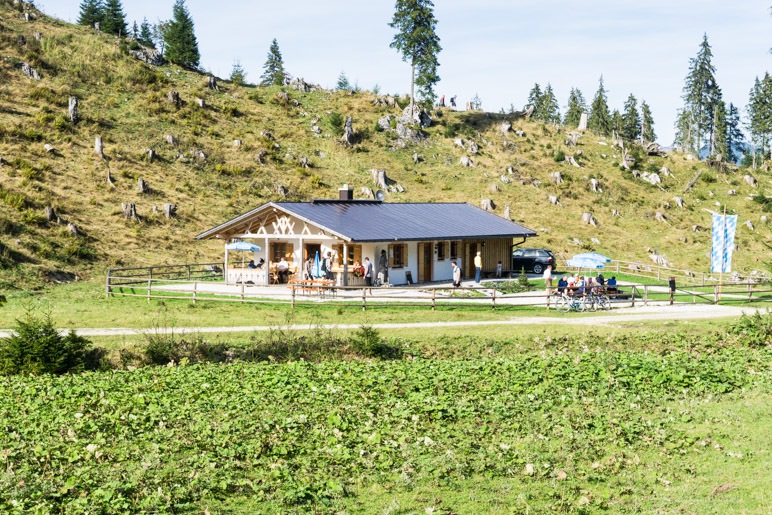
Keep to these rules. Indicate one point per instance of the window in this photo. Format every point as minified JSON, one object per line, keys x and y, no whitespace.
{"x":279,"y":249}
{"x":398,"y":255}
{"x":354,"y":254}
{"x":454,"y":246}
{"x":440,"y":251}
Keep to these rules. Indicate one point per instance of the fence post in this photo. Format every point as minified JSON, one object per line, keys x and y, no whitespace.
{"x":188,"y":267}
{"x":242,"y":290}
{"x":494,"y":299}
{"x":658,"y":271}
{"x":364,"y":300}
{"x":292,"y":303}
{"x":646,"y":292}
{"x":632,"y":297}
{"x":195,"y":288}
{"x":750,"y":291}
{"x":108,"y":290}
{"x":149,"y":287}
{"x":715,"y":294}
{"x":150,"y":271}
{"x":434,"y":294}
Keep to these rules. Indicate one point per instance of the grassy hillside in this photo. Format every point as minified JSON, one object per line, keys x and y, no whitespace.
{"x":125,"y":102}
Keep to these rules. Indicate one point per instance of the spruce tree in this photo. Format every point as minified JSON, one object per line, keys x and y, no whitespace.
{"x":113,"y":19}
{"x":91,"y":12}
{"x":535,"y":100}
{"x":550,"y":109}
{"x":617,"y":124}
{"x":180,"y":45}
{"x":631,"y":120}
{"x":417,"y":40}
{"x":760,"y":116}
{"x":343,"y":84}
{"x":734,"y":134}
{"x":273,"y":69}
{"x":576,"y":106}
{"x":718,"y":141}
{"x":238,"y":75}
{"x":700,"y":95}
{"x":599,"y":119}
{"x":647,"y":124}
{"x":146,"y":34}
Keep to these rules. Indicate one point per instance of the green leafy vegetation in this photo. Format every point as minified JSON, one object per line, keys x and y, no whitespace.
{"x":583,"y":424}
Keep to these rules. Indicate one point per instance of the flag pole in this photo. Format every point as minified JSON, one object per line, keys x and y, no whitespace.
{"x":723,"y":258}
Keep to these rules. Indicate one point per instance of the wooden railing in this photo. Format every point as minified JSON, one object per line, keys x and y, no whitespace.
{"x":117,"y":277}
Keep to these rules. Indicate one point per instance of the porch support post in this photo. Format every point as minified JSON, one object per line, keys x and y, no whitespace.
{"x":345,"y":264}
{"x":266,"y":265}
{"x":226,"y":273}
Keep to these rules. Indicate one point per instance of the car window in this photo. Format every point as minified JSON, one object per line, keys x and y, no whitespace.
{"x":531,"y":253}
{"x":518,"y":253}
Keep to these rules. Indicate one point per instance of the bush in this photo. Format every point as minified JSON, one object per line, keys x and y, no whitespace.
{"x":754,"y":330}
{"x":368,"y":342}
{"x":560,"y":156}
{"x":36,"y":347}
{"x":334,"y":123}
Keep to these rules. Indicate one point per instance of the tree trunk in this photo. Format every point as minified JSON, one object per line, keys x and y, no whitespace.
{"x":130,"y":211}
{"x":98,"y":147}
{"x":170,"y":210}
{"x":412,"y":85}
{"x":72,"y":110}
{"x":50,"y":214}
{"x":142,"y":186}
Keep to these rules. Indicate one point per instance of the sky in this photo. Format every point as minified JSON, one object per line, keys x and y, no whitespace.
{"x":496,"y":49}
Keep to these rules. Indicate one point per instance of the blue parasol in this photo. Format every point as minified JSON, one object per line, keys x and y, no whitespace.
{"x":584,"y":263}
{"x":243,"y":245}
{"x":594,"y":256}
{"x":316,"y":271}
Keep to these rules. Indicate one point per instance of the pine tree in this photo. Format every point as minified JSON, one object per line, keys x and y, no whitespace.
{"x":647,"y":124}
{"x":146,"y":34}
{"x":273,"y":69}
{"x":417,"y":40}
{"x":760,"y":115}
{"x":576,"y":106}
{"x":113,"y":19}
{"x":631,"y":120}
{"x":135,"y":31}
{"x":599,"y":119}
{"x":91,"y":12}
{"x":180,"y":45}
{"x":734,"y":134}
{"x":616,"y":121}
{"x":550,"y":110}
{"x":534,"y":99}
{"x":718,"y":141}
{"x":700,"y":95}
{"x":238,"y":75}
{"x":343,"y":83}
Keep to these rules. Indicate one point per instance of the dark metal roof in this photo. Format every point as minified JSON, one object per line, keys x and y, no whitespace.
{"x":362,"y":221}
{"x":377,"y":221}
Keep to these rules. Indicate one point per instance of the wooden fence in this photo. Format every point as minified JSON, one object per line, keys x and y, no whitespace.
{"x":431,"y":296}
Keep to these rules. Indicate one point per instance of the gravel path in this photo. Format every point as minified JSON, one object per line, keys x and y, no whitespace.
{"x":610,"y":319}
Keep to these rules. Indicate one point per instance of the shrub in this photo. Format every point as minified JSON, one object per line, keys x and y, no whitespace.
{"x":367,"y":341}
{"x":560,"y":156}
{"x":334,"y":123}
{"x":754,"y":330}
{"x":36,"y":347}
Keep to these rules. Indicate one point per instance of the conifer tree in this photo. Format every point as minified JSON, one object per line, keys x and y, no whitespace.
{"x":647,"y":124}
{"x":238,"y":75}
{"x":180,"y":45}
{"x":550,"y":110}
{"x":718,"y":141}
{"x":145,"y":34}
{"x":760,"y":116}
{"x":700,"y":95}
{"x":631,"y":120}
{"x":417,"y":40}
{"x":534,"y":99}
{"x":113,"y":19}
{"x":617,"y":124}
{"x":343,"y":84}
{"x":135,"y":31}
{"x":273,"y":69}
{"x":90,"y":12}
{"x":576,"y":106}
{"x":734,"y":134}
{"x":599,"y":119}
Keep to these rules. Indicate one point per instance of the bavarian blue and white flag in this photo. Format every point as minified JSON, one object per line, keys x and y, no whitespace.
{"x":724,"y":227}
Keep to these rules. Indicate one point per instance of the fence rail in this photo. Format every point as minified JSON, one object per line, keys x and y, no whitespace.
{"x":428,"y":296}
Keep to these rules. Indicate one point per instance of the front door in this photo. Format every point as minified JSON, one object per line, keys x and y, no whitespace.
{"x":425,"y":256}
{"x":471,"y":252}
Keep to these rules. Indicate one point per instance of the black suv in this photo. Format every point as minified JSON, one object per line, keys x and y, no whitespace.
{"x":535,"y":260}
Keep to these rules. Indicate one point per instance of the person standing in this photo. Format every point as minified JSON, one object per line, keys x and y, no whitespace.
{"x":368,"y":266}
{"x":327,"y":266}
{"x":383,"y":266}
{"x":478,"y":267}
{"x":456,"y":274}
{"x":453,"y":101}
{"x":547,"y":276}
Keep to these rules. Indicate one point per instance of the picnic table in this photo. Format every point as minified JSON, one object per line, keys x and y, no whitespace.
{"x":319,"y":287}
